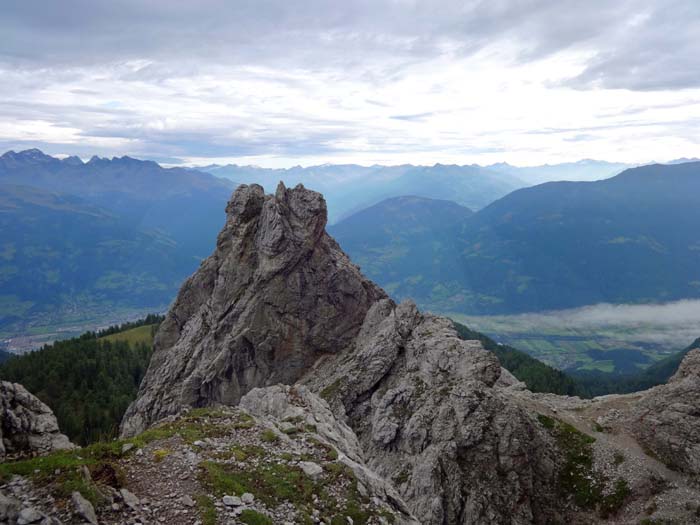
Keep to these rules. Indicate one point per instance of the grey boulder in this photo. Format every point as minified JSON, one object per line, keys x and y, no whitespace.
{"x":27,"y":426}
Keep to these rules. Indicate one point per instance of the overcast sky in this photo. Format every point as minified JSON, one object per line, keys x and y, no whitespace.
{"x":280,"y":82}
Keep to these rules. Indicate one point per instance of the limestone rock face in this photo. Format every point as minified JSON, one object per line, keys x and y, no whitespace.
{"x":666,"y":420}
{"x":27,"y":426}
{"x":298,"y":403}
{"x":431,"y":417}
{"x":276,"y":294}
{"x":280,"y":403}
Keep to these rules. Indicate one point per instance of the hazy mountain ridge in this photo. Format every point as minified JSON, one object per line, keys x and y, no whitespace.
{"x":582,"y":170}
{"x":473,"y":186}
{"x":631,"y":238}
{"x":407,"y":244}
{"x":87,"y":237}
{"x":59,"y":252}
{"x":349,"y":188}
{"x":100,"y":175}
{"x":181,"y":210}
{"x":141,"y":192}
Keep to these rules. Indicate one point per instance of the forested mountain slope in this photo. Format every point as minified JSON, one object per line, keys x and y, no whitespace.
{"x":407,"y":244}
{"x":59,"y":253}
{"x":82,"y":240}
{"x":633,"y":238}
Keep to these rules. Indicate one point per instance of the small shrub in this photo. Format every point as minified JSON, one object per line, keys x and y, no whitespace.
{"x":614,"y":501}
{"x":329,"y":452}
{"x":243,"y":452}
{"x":402,"y":477}
{"x":252,"y":517}
{"x":618,"y":458}
{"x":546,"y":421}
{"x":244,"y":421}
{"x":160,"y":454}
{"x":269,"y":436}
{"x":331,"y":390}
{"x":207,"y":509}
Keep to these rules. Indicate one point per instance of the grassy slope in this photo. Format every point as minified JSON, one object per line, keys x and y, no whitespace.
{"x":141,"y":334}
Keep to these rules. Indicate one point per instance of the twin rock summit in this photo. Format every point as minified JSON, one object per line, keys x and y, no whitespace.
{"x":280,"y":328}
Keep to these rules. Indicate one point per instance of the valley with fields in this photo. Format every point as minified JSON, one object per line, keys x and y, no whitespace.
{"x":607,"y":338}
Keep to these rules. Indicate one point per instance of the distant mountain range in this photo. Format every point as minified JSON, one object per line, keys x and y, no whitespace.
{"x":121,"y":233}
{"x":583,"y":170}
{"x":350,"y":188}
{"x":632,"y":238}
{"x":181,"y":203}
{"x":101,"y":235}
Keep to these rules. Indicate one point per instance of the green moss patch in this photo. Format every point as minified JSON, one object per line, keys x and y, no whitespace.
{"x":577,"y":479}
{"x":331,"y":390}
{"x":269,"y":436}
{"x":614,"y":501}
{"x":328,"y":452}
{"x":244,"y":421}
{"x":273,"y":482}
{"x":63,"y":470}
{"x":207,"y":509}
{"x":102,"y":457}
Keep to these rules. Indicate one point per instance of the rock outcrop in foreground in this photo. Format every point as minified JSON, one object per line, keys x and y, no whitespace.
{"x":280,"y":457}
{"x":430,"y":417}
{"x":27,"y":426}
{"x":667,"y":418}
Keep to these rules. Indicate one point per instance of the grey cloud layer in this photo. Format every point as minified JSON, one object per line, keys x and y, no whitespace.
{"x":177,"y":79}
{"x":635,"y":44}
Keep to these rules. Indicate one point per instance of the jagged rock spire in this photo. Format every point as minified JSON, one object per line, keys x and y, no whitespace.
{"x":276,"y":295}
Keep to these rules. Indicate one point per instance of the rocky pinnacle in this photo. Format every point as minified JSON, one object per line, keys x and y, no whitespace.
{"x":276,"y":295}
